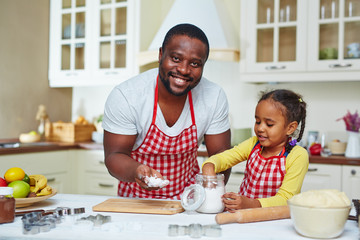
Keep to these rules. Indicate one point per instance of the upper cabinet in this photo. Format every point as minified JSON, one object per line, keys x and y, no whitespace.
{"x":92,"y":42}
{"x":299,"y":40}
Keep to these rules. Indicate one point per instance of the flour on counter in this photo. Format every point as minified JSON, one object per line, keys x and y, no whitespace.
{"x":153,"y":181}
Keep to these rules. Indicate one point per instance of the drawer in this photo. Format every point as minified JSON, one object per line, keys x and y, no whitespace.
{"x":37,"y":163}
{"x":93,"y":160}
{"x":98,"y":184}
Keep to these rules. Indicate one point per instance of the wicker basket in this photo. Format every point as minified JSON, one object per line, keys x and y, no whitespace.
{"x":68,"y":132}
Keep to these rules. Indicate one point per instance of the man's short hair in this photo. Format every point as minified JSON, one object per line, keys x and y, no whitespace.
{"x":189,"y":30}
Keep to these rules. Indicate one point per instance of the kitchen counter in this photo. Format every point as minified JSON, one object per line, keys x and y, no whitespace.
{"x":149,"y":226}
{"x":54,"y":146}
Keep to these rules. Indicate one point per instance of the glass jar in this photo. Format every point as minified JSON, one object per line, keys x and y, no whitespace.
{"x":206,"y":195}
{"x":7,"y":205}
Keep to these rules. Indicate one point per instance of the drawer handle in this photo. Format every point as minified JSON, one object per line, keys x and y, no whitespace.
{"x":275,"y":67}
{"x":238,"y":172}
{"x":353,"y":172}
{"x":312,"y":170}
{"x":340,"y":65}
{"x":51,"y":180}
{"x":102,"y":162}
{"x":106,"y":185}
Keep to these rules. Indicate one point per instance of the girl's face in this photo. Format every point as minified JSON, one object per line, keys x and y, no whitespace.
{"x":271,"y":126}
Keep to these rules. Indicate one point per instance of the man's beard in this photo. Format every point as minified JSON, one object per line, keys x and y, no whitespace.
{"x":167,"y":86}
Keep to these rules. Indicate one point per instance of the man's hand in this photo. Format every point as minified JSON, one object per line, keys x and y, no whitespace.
{"x":142,"y":172}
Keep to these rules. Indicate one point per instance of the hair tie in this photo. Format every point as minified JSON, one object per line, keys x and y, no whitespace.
{"x":300,"y":100}
{"x":293,"y":142}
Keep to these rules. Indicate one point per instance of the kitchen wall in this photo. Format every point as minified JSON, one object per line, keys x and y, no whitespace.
{"x":24,"y":43}
{"x":326,"y":101}
{"x":24,"y":82}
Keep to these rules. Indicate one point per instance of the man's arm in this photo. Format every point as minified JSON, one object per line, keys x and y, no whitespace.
{"x":119,"y":163}
{"x":218,"y":143}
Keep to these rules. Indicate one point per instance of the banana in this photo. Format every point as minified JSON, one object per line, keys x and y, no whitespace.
{"x":45,"y":191}
{"x":38,"y":181}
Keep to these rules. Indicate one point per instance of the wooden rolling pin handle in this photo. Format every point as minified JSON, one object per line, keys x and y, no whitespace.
{"x":253,"y":215}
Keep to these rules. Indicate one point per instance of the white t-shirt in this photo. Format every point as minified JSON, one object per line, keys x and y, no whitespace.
{"x":129,"y":109}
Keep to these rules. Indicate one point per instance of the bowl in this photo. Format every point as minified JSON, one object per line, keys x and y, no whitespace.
{"x":337,"y":148}
{"x":29,"y":138}
{"x":320,"y":217}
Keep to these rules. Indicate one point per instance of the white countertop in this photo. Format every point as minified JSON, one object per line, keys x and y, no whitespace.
{"x":148,"y":226}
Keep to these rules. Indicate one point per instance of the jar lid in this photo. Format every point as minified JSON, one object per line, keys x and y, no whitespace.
{"x":192,"y":197}
{"x":6,"y":190}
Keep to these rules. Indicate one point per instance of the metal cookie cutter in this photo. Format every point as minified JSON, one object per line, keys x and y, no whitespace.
{"x":194,"y":230}
{"x":43,"y":221}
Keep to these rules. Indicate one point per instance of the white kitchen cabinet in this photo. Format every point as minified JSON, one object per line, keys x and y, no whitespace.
{"x":334,"y":25}
{"x":281,"y":40}
{"x":322,"y":176}
{"x":275,"y":35}
{"x":94,"y":177}
{"x":92,"y":42}
{"x":351,"y":181}
{"x":54,"y":165}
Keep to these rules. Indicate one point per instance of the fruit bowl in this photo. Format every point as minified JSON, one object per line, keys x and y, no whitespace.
{"x":25,"y":202}
{"x":29,"y":137}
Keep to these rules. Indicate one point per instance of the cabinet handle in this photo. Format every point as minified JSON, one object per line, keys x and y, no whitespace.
{"x":238,"y":172}
{"x":275,"y":67}
{"x":106,"y":185}
{"x":101,"y":162}
{"x":51,"y":180}
{"x":71,"y":74}
{"x":312,"y":170}
{"x":353,"y":172}
{"x":340,"y":65}
{"x":111,"y":73}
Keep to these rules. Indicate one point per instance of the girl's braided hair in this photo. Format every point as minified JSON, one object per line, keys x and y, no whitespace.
{"x":293,"y":108}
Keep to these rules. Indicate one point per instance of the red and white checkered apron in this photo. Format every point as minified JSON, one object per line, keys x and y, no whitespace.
{"x":174,"y":157}
{"x":263,"y":176}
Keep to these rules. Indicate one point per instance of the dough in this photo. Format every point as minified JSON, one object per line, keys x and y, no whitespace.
{"x":321,"y":198}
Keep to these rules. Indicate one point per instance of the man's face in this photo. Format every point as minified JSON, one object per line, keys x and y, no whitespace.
{"x":181,"y":64}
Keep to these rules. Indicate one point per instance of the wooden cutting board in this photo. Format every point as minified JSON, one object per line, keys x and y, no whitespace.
{"x":139,"y":206}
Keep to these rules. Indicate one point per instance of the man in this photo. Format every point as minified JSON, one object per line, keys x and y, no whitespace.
{"x":155,"y":122}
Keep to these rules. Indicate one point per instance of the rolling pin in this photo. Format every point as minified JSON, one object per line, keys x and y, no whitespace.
{"x":253,"y":215}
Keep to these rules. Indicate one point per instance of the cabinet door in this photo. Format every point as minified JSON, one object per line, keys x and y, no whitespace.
{"x":114,"y":39}
{"x":322,"y":176}
{"x":54,"y":165}
{"x":92,"y":42}
{"x":351,"y":181}
{"x":334,"y":39}
{"x":69,"y":52}
{"x":275,"y":35}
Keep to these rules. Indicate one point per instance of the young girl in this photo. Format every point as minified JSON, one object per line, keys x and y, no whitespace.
{"x":276,"y":166}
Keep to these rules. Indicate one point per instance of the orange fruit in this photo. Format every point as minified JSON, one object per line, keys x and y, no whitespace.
{"x":13,"y":174}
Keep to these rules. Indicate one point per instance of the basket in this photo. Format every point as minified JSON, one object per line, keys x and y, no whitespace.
{"x":68,"y":132}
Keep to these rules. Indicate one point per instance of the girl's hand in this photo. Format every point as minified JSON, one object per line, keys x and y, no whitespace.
{"x":234,"y":201}
{"x":144,"y":171}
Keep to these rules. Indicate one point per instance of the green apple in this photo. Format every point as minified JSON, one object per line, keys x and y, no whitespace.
{"x":21,"y":188}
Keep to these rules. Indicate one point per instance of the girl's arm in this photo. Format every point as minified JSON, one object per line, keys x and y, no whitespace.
{"x":229,"y":158}
{"x":297,"y":163}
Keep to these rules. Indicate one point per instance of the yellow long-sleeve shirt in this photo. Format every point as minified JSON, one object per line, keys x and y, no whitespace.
{"x":297,"y":163}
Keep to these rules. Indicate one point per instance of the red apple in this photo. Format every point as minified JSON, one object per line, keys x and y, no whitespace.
{"x":3,"y":183}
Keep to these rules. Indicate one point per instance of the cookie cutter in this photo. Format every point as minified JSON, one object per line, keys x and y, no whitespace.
{"x":43,"y":221}
{"x":195,"y":230}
